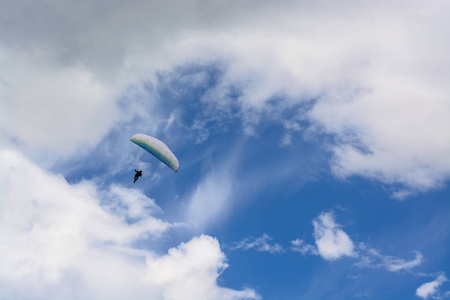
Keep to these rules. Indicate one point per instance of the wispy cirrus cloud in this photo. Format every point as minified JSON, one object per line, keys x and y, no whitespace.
{"x":211,"y":199}
{"x":369,"y":257}
{"x":303,"y":248}
{"x":261,"y":244}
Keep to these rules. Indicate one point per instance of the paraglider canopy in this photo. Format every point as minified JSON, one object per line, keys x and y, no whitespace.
{"x":157,"y":148}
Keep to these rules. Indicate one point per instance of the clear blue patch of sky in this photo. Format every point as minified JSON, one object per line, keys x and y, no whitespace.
{"x":367,"y":214}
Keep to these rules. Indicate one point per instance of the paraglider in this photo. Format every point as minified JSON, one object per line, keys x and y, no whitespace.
{"x":137,"y":175}
{"x":157,"y":148}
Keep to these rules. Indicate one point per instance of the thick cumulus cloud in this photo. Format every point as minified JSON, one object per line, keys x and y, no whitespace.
{"x":332,"y":242}
{"x":75,"y":241}
{"x":54,"y":234}
{"x":431,"y":289}
{"x":58,"y":110}
{"x":190,"y":272}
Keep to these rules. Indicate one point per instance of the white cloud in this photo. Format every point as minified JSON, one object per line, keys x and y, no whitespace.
{"x":212,"y":199}
{"x":259,"y":244}
{"x":53,"y":109}
{"x":363,"y":255}
{"x":377,"y":82}
{"x":378,"y":73}
{"x":131,"y":203}
{"x":403,"y":141}
{"x":58,"y":240}
{"x":396,"y":264}
{"x":371,"y":258}
{"x":190,"y":272}
{"x":301,"y":247}
{"x":430,"y":289}
{"x":332,"y":242}
{"x":65,"y":65}
{"x":49,"y":226}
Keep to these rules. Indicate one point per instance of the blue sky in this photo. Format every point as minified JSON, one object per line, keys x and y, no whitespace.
{"x":312,"y":139}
